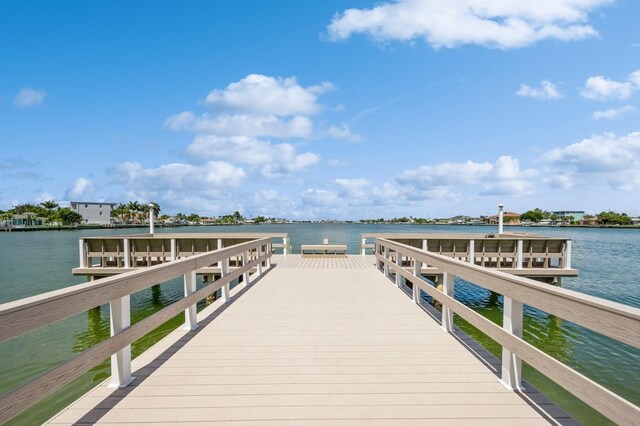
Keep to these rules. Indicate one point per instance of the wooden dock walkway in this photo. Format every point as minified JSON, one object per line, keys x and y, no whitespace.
{"x":315,"y":341}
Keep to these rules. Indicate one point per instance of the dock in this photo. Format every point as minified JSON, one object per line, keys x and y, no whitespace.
{"x":318,"y":341}
{"x":294,"y":348}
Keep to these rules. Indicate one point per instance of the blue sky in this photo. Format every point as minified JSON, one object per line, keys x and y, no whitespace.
{"x":331,"y":109}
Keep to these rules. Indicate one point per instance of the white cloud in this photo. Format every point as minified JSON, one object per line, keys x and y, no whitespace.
{"x":491,"y":23}
{"x":547,"y":90}
{"x":81,"y":188}
{"x":503,"y":177}
{"x":275,"y":158}
{"x":264,"y":95}
{"x":29,"y":98}
{"x":606,"y":153}
{"x":241,"y":124}
{"x":343,"y":132}
{"x":614,"y":113}
{"x":599,"y":88}
{"x":180,"y":176}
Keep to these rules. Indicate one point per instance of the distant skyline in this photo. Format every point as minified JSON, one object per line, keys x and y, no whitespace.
{"x":323,"y":110}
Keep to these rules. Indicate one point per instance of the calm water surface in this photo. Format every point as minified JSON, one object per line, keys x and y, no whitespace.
{"x":35,"y":262}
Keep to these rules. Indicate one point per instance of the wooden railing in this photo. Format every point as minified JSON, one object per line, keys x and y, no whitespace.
{"x":615,"y":320}
{"x":508,"y":251}
{"x":22,"y":316}
{"x":141,"y":250}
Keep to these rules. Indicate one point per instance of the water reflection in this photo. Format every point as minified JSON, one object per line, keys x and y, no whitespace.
{"x":97,"y":330}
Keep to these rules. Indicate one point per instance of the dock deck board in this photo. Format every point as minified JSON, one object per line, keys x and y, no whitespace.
{"x":301,"y":346}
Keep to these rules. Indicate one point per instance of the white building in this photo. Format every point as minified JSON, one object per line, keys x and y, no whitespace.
{"x":91,"y":212}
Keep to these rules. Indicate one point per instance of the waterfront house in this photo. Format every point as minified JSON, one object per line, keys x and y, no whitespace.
{"x":27,"y":219}
{"x":93,"y":212}
{"x":509,"y":217}
{"x":577,"y":215}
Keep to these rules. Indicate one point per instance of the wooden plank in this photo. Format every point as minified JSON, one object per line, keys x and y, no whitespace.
{"x":307,"y":356}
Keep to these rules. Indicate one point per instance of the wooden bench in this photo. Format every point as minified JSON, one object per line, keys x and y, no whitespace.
{"x":324,"y":250}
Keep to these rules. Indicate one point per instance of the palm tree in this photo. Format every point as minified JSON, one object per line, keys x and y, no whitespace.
{"x":7,"y":218}
{"x":134,"y":208}
{"x":156,"y":208}
{"x":49,"y":205}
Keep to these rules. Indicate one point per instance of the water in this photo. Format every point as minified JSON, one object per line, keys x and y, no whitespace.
{"x":35,"y":262}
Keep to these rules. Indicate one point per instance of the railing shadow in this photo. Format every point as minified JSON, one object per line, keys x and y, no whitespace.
{"x":548,"y":410}
{"x":110,"y":401}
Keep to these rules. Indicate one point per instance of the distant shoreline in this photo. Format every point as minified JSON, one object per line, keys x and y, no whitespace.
{"x":86,"y":227}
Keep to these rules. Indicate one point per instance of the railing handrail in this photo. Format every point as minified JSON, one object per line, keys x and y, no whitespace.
{"x":196,"y":235}
{"x":21,"y":316}
{"x":560,"y":302}
{"x":456,"y":236}
{"x":86,"y":296}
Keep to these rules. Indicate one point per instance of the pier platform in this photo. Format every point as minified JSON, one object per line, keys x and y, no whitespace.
{"x":315,"y":341}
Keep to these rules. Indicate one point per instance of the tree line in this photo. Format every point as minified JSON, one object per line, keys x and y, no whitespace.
{"x":49,"y":210}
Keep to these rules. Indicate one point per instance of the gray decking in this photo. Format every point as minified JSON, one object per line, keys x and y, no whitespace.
{"x":339,"y":345}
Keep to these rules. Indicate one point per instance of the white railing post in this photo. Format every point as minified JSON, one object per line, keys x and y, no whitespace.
{"x":398,"y":267}
{"x":386,"y":265}
{"x":173,"y":249}
{"x":511,"y":364}
{"x":285,"y":249}
{"x":417,"y":271}
{"x":472,"y":252}
{"x":519,"y":255}
{"x":425,"y":247}
{"x":269,"y":251}
{"x":362,"y":243}
{"x":120,"y":361}
{"x":83,"y":253}
{"x":258,"y":254}
{"x":190,"y":322}
{"x":567,"y":254}
{"x":152,"y":227}
{"x":448,"y":280}
{"x":127,"y":253}
{"x":224,"y":271}
{"x":245,"y":262}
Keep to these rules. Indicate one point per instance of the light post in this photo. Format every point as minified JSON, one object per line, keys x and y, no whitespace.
{"x":500,"y":218}
{"x":151,"y":214}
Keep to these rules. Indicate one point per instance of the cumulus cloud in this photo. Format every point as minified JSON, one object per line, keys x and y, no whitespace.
{"x":599,"y":88}
{"x":264,"y":95}
{"x":606,"y":153}
{"x":275,"y":158}
{"x":29,"y":98}
{"x":614,"y":113}
{"x":242,"y":124}
{"x":490,"y":23}
{"x":180,"y":176}
{"x":254,"y":108}
{"x":81,"y":188}
{"x":504,"y":177}
{"x":603,"y":161}
{"x":547,"y":90}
